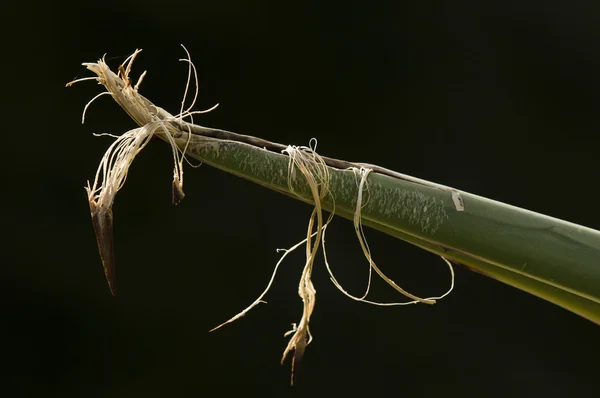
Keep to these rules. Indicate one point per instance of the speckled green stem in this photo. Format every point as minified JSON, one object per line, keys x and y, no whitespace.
{"x":548,"y":257}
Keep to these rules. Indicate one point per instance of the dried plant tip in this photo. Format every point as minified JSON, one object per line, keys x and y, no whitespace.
{"x":177,"y":189}
{"x":110,"y":177}
{"x":298,"y":354}
{"x":102,"y":220}
{"x":113,"y":169}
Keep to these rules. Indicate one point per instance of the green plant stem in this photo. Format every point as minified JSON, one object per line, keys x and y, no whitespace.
{"x":550,"y":258}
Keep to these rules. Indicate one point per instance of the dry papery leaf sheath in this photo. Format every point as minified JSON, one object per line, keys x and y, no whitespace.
{"x":177,"y":131}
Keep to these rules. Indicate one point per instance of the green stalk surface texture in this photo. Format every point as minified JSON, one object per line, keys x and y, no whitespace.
{"x":550,"y":258}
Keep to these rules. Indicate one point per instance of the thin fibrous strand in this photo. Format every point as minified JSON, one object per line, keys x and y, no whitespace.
{"x":85,"y":108}
{"x":69,"y":84}
{"x":364,"y":300}
{"x":105,"y":135}
{"x":364,"y":172}
{"x":114,"y":166}
{"x":365,"y":247}
{"x":177,"y":168}
{"x":178,"y":171}
{"x":190,"y":67}
{"x":357,"y":220}
{"x":188,"y":114}
{"x":451,"y":280}
{"x":263,"y":294}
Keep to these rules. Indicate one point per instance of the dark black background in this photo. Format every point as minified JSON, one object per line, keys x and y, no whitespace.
{"x":498,"y":99}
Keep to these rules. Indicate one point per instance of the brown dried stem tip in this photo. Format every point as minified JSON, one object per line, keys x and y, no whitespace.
{"x":114,"y":166}
{"x":102,"y":219}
